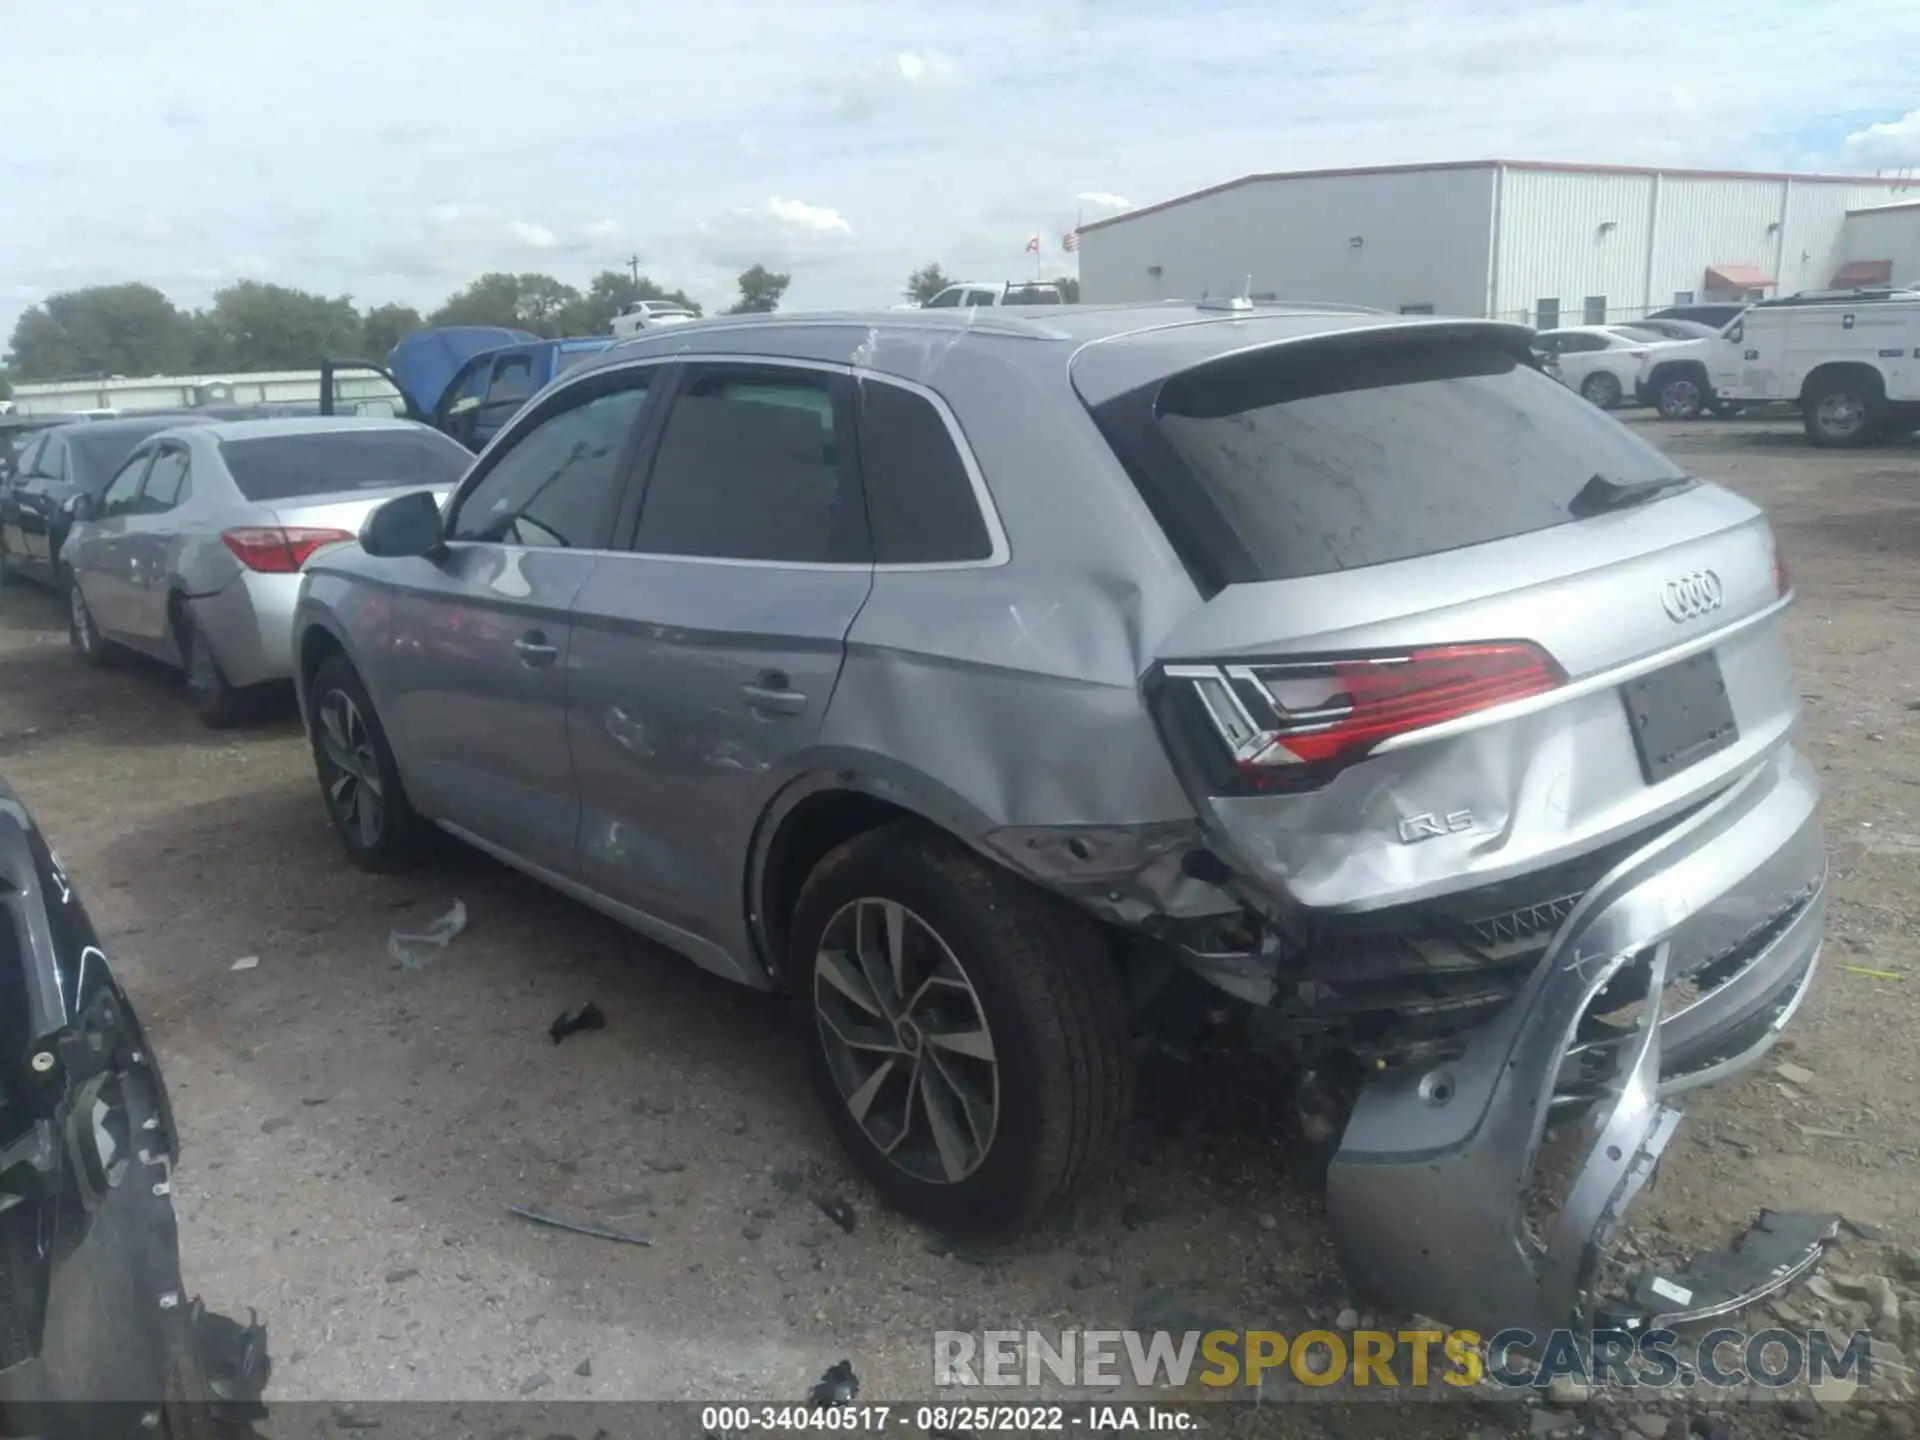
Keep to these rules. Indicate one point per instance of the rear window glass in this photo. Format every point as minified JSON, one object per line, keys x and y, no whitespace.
{"x":284,"y":467}
{"x":1332,"y":457}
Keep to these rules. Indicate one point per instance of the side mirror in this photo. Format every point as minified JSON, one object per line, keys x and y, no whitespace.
{"x":83,"y":507}
{"x":405,"y":525}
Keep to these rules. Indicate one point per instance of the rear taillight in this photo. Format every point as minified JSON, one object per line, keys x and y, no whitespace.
{"x":1266,"y":726}
{"x":1782,"y":581}
{"x":272,"y":550}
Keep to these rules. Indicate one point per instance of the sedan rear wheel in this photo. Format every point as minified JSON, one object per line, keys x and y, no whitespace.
{"x":83,"y":633}
{"x":214,"y":699}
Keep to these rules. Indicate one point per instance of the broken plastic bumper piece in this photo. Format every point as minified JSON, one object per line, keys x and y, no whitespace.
{"x":1447,"y":1195}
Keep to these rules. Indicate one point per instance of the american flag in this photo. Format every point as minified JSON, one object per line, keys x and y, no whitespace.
{"x":1033,"y":245}
{"x":1070,"y":241}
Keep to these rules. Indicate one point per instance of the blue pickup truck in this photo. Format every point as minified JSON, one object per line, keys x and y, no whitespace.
{"x":468,"y":380}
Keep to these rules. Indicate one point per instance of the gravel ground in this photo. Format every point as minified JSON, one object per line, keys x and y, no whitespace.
{"x":355,"y":1130}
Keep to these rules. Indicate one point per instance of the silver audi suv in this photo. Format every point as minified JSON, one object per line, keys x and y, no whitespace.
{"x":1001,"y":685}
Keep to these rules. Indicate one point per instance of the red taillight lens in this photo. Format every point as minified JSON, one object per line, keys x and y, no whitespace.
{"x":1291,"y":725}
{"x":272,"y":550}
{"x":1782,"y":581}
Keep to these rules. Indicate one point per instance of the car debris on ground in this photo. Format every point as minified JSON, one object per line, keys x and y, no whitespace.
{"x":604,"y":1229}
{"x":577,"y":1021}
{"x":417,"y":950}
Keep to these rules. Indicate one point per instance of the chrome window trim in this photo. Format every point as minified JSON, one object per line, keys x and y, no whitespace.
{"x":1000,"y":552}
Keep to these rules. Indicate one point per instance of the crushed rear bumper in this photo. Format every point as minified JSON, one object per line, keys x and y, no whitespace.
{"x":1437,"y":1194}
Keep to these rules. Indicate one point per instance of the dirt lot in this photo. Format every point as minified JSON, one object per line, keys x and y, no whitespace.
{"x":355,"y":1130}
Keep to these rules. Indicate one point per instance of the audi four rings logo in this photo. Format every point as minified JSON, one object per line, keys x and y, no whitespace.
{"x":1691,"y":596}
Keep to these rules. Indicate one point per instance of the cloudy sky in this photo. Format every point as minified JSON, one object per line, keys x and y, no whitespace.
{"x":393,"y":149}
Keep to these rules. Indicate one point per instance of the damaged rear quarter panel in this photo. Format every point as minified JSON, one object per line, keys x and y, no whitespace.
{"x":1016,"y":687}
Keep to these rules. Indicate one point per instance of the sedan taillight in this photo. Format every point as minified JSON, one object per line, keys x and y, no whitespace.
{"x":1285,"y":725}
{"x":274,"y":550}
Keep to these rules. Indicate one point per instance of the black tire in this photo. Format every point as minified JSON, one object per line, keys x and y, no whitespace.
{"x":83,"y":631}
{"x":394,"y":838}
{"x":1601,"y":388}
{"x":1680,"y":396}
{"x":212,"y":695}
{"x":1841,"y":412}
{"x":1047,"y":994}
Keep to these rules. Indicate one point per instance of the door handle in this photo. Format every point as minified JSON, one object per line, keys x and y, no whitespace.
{"x":770,"y":692}
{"x":534,"y":651}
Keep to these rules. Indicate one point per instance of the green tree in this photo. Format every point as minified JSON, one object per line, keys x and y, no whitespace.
{"x":256,"y":326}
{"x":6,"y":386}
{"x":760,"y":291}
{"x":608,"y":293}
{"x":927,"y":282}
{"x":532,"y":302}
{"x":101,"y":330}
{"x":384,"y":327}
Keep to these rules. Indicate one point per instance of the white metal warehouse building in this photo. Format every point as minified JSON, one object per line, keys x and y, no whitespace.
{"x":1511,"y":239}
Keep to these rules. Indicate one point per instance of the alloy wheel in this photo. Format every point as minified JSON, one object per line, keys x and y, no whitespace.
{"x":906,"y":1040}
{"x":1680,"y":399}
{"x":352,"y":773}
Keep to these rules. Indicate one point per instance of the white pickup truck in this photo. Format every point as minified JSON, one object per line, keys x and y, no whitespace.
{"x":1849,"y":359}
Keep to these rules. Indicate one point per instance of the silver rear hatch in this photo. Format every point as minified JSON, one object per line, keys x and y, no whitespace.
{"x":1460,"y":625}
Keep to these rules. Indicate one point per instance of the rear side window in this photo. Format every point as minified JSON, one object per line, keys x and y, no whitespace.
{"x":945,"y":300}
{"x":920,"y":497}
{"x":288,"y":467}
{"x":749,"y":469}
{"x":1330,"y":457}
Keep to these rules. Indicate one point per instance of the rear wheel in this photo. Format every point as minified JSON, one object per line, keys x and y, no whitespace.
{"x":358,"y":778}
{"x":83,"y":633}
{"x":1602,"y":389}
{"x":214,"y":699}
{"x":965,"y":1030}
{"x":1840,"y":411}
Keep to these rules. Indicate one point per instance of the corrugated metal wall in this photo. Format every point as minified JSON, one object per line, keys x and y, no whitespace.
{"x":1816,"y":224}
{"x":1668,"y":230}
{"x":1569,"y":237}
{"x":1711,"y":222}
{"x":1422,"y":240}
{"x":1887,"y":234}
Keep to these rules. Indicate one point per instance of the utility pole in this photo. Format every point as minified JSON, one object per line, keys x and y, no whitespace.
{"x":633,"y":264}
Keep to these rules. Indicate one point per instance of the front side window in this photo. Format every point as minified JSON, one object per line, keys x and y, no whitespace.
{"x":512,"y":380}
{"x":558,"y":483}
{"x":749,"y":468}
{"x":166,"y":482}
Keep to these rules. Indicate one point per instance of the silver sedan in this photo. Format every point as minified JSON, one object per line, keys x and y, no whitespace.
{"x":193,"y":553}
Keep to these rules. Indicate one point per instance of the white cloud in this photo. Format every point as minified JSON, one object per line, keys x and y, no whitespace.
{"x":600,"y":230}
{"x":808,"y":217}
{"x":1105,"y":200}
{"x":925,"y":67}
{"x":782,"y":234}
{"x":534,"y":237}
{"x":1890,"y":145}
